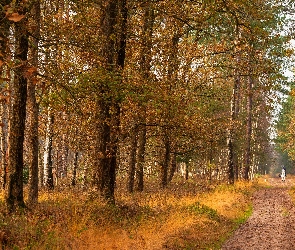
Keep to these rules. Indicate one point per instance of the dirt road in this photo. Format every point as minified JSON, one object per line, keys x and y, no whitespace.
{"x":272,"y":224}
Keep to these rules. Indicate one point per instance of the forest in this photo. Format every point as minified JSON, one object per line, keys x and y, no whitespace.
{"x":101,"y":100}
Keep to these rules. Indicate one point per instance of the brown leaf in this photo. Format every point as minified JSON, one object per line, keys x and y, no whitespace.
{"x":30,"y":71}
{"x":15,"y":17}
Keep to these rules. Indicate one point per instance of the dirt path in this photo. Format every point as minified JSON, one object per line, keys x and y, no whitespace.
{"x":272,"y":224}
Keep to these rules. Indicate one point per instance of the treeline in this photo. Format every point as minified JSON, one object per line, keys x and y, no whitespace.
{"x":96,"y":90}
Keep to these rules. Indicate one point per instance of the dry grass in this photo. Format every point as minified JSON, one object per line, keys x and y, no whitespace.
{"x":184,"y":216}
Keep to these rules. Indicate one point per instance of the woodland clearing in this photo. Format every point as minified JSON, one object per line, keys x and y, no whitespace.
{"x":186,"y":215}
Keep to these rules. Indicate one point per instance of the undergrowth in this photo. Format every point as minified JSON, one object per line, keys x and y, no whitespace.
{"x":191,"y":216}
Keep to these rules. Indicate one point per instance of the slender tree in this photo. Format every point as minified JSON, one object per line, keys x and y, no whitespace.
{"x":48,"y":167}
{"x":33,"y":107}
{"x":4,"y":72}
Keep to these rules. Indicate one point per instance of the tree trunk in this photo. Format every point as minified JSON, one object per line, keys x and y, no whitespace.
{"x":145,"y":64}
{"x":230,"y":139}
{"x":249,"y":128}
{"x":231,"y":176}
{"x":101,"y":172}
{"x":140,"y":157}
{"x":4,"y":144}
{"x":33,"y":109}
{"x":48,"y":173}
{"x":41,"y":165}
{"x":75,"y":167}
{"x":108,"y":108}
{"x":132,"y":158}
{"x":17,"y":119}
{"x":64,"y":157}
{"x":113,"y":149}
{"x":165,"y":166}
{"x":186,"y":171}
{"x":4,"y":33}
{"x":173,"y":166}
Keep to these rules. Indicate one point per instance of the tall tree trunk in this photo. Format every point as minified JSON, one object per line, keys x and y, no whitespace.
{"x":173,"y":164}
{"x":108,"y":107}
{"x":33,"y":109}
{"x":249,"y":127}
{"x":186,"y":171}
{"x":233,"y":168}
{"x":75,"y":167}
{"x":145,"y":65}
{"x":41,"y":165}
{"x":122,"y":13}
{"x":140,"y":157}
{"x":102,"y":172}
{"x":132,"y":158}
{"x":231,"y":176}
{"x":14,"y":197}
{"x":4,"y":144}
{"x":48,"y":173}
{"x":230,"y":139}
{"x":165,"y":166}
{"x":113,"y":149}
{"x":64,"y":157}
{"x":4,"y":33}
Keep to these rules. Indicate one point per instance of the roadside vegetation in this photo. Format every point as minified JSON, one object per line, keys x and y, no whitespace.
{"x":186,"y":215}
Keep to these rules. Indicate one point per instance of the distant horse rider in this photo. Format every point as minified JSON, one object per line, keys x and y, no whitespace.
{"x":283,"y":175}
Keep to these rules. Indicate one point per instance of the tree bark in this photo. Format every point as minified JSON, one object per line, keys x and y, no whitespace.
{"x":4,"y":33}
{"x":48,"y":173}
{"x":132,"y":158}
{"x":173,"y":166}
{"x":33,"y":108}
{"x":14,"y":197}
{"x":165,"y":166}
{"x":108,"y":107}
{"x":249,"y":128}
{"x":41,"y":165}
{"x":102,"y":169}
{"x":4,"y":143}
{"x":102,"y":172}
{"x":145,"y":67}
{"x":140,"y":157}
{"x":75,"y":167}
{"x":64,"y":157}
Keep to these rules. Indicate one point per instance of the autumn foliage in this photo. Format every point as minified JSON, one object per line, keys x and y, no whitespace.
{"x":103,"y":98}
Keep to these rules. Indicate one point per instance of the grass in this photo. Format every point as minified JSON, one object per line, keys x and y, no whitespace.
{"x":184,"y":216}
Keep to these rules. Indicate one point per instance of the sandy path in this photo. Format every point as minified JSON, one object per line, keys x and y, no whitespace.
{"x":272,"y":224}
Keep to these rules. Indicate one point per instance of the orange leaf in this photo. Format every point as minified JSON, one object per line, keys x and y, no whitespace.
{"x":30,"y":71}
{"x":15,"y":17}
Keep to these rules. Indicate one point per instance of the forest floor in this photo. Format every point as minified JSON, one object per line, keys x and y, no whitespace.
{"x":272,"y":224}
{"x":187,"y":215}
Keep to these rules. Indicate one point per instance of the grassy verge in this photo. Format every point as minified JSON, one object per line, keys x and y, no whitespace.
{"x":185,"y":216}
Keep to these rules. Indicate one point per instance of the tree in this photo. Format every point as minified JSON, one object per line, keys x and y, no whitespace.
{"x":107,"y":105}
{"x":33,"y":107}
{"x":48,"y":171}
{"x":14,"y":190}
{"x":4,"y":73}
